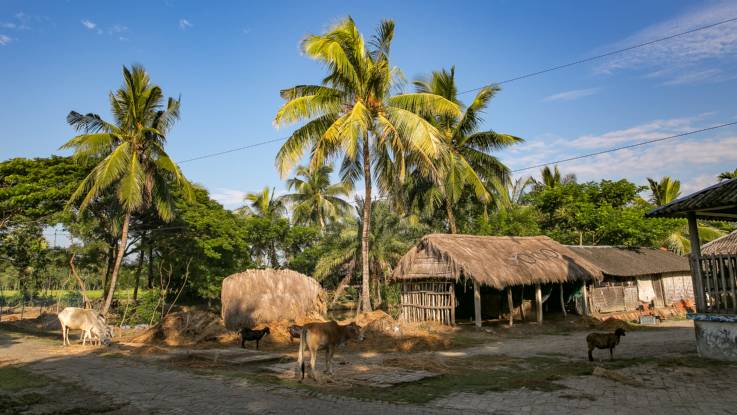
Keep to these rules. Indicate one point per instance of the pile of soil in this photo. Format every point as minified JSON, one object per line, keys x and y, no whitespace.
{"x":43,"y":322}
{"x":188,"y":327}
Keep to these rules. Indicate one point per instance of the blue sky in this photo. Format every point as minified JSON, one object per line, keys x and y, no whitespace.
{"x":229,"y":60}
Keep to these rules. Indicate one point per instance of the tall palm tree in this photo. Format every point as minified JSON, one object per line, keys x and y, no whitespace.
{"x":727,"y":175}
{"x":315,"y":200}
{"x":131,"y":155}
{"x":664,"y":191}
{"x":353,"y":114}
{"x":553,"y":178}
{"x":391,"y":237}
{"x":469,"y":161}
{"x":263,"y":204}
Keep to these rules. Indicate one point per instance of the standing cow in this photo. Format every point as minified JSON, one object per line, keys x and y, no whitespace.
{"x":90,"y":322}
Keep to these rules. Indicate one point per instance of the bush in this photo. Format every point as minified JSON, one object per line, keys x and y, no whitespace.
{"x":72,"y":299}
{"x":147,"y":309}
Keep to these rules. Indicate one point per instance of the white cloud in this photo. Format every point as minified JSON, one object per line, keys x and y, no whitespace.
{"x":571,"y":95}
{"x":712,"y":75}
{"x":719,"y":42}
{"x":89,"y":24}
{"x":184,"y":24}
{"x":648,"y":131}
{"x":697,"y":183}
{"x":4,"y":40}
{"x":230,"y":198}
{"x":7,"y":25}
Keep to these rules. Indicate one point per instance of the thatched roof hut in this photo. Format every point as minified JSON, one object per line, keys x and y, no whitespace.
{"x":617,"y":261}
{"x":726,"y":245}
{"x":265,"y":295}
{"x":495,"y":261}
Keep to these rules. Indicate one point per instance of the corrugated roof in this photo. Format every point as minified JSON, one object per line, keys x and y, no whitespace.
{"x":496,"y":261}
{"x":632,"y":262}
{"x":726,"y":245}
{"x":718,"y":202}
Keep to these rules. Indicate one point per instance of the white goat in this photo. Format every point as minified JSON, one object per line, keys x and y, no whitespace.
{"x":90,"y":322}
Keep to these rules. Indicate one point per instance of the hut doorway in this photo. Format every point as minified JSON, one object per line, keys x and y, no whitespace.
{"x":492,"y":302}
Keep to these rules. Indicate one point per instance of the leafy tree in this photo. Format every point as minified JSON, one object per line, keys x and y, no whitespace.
{"x":315,"y":200}
{"x":37,"y":189}
{"x":25,"y":248}
{"x":354,"y":114}
{"x":664,"y":191}
{"x":469,"y":161}
{"x":130,"y":155}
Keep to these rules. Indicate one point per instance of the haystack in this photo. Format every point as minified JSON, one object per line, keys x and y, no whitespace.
{"x":267,"y":295}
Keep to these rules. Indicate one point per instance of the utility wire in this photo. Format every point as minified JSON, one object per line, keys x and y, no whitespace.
{"x":604,"y":55}
{"x":506,"y":81}
{"x":611,"y":150}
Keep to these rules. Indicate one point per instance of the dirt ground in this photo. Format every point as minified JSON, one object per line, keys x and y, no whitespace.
{"x":525,"y":369}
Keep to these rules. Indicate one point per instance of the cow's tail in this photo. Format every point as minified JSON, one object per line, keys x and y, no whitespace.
{"x":300,"y":356}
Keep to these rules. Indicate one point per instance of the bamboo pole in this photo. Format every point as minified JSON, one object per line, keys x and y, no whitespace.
{"x":510,"y":303}
{"x":477,"y":303}
{"x":539,"y":303}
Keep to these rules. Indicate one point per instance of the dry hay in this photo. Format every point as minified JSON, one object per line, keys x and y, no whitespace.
{"x":184,"y":328}
{"x":382,"y":333}
{"x":264,"y":296}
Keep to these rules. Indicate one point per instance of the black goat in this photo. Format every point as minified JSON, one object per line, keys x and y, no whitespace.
{"x":604,"y":341}
{"x":253,"y":335}
{"x":295,"y":332}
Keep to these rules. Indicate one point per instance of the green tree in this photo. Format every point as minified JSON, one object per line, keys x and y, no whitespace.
{"x":552,"y":178}
{"x":664,"y":191}
{"x":469,"y":162}
{"x":25,"y":248}
{"x":315,"y":200}
{"x":353,"y":114}
{"x":130,"y":155}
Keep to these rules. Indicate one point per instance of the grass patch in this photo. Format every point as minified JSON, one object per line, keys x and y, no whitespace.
{"x":13,"y":379}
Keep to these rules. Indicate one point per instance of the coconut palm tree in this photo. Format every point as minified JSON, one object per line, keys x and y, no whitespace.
{"x":263,"y":204}
{"x":353,"y":114}
{"x":315,"y":200}
{"x":131,"y":157}
{"x":727,"y":175}
{"x":391,"y":237}
{"x":664,"y":191}
{"x":552,"y":178}
{"x":469,"y":161}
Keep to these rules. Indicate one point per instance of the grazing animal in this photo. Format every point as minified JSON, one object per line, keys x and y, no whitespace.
{"x":604,"y":341}
{"x":89,"y":321}
{"x":253,"y":335}
{"x":316,"y":336}
{"x":99,"y":334}
{"x":295,"y":332}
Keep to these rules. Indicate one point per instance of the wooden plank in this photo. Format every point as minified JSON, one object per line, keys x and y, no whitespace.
{"x":732,"y":277}
{"x":698,"y":285}
{"x":453,"y":305}
{"x":584,"y":292}
{"x":723,"y":290}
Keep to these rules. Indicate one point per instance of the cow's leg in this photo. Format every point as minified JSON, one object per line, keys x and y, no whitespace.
{"x":329,"y":358}
{"x":313,"y":363}
{"x":63,"y":335}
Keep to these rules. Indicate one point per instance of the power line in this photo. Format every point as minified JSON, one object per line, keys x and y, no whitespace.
{"x":506,"y":81}
{"x":604,"y":55}
{"x":611,"y":150}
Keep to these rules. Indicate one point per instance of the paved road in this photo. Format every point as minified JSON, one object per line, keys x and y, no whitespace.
{"x":653,"y":389}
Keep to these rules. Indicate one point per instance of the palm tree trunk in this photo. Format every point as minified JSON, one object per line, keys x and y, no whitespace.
{"x":141,"y":256}
{"x":150,"y":265}
{"x":365,"y":276}
{"x":118,"y":262}
{"x":451,"y":218}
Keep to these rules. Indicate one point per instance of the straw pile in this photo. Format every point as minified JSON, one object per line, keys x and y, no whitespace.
{"x":261,"y":296}
{"x":184,"y":328}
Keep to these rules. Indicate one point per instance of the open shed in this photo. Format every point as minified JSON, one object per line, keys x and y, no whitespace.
{"x":633,"y":276}
{"x":432,"y":272}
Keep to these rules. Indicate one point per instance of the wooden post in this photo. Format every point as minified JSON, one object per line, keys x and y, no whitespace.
{"x":522,"y":303}
{"x":562,"y":301}
{"x":452,"y":304}
{"x":539,"y":303}
{"x":698,"y":285}
{"x":510,"y":303}
{"x":584,"y":292}
{"x":477,"y":302}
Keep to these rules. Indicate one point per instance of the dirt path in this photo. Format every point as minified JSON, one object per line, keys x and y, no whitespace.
{"x":134,"y":386}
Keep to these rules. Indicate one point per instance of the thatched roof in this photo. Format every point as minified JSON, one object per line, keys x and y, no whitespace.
{"x":266,"y":295}
{"x":632,"y":262}
{"x":726,"y":245}
{"x":717,"y":202}
{"x":496,"y":261}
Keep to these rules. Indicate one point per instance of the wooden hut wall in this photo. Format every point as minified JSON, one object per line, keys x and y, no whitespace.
{"x":428,"y":301}
{"x":617,"y":298}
